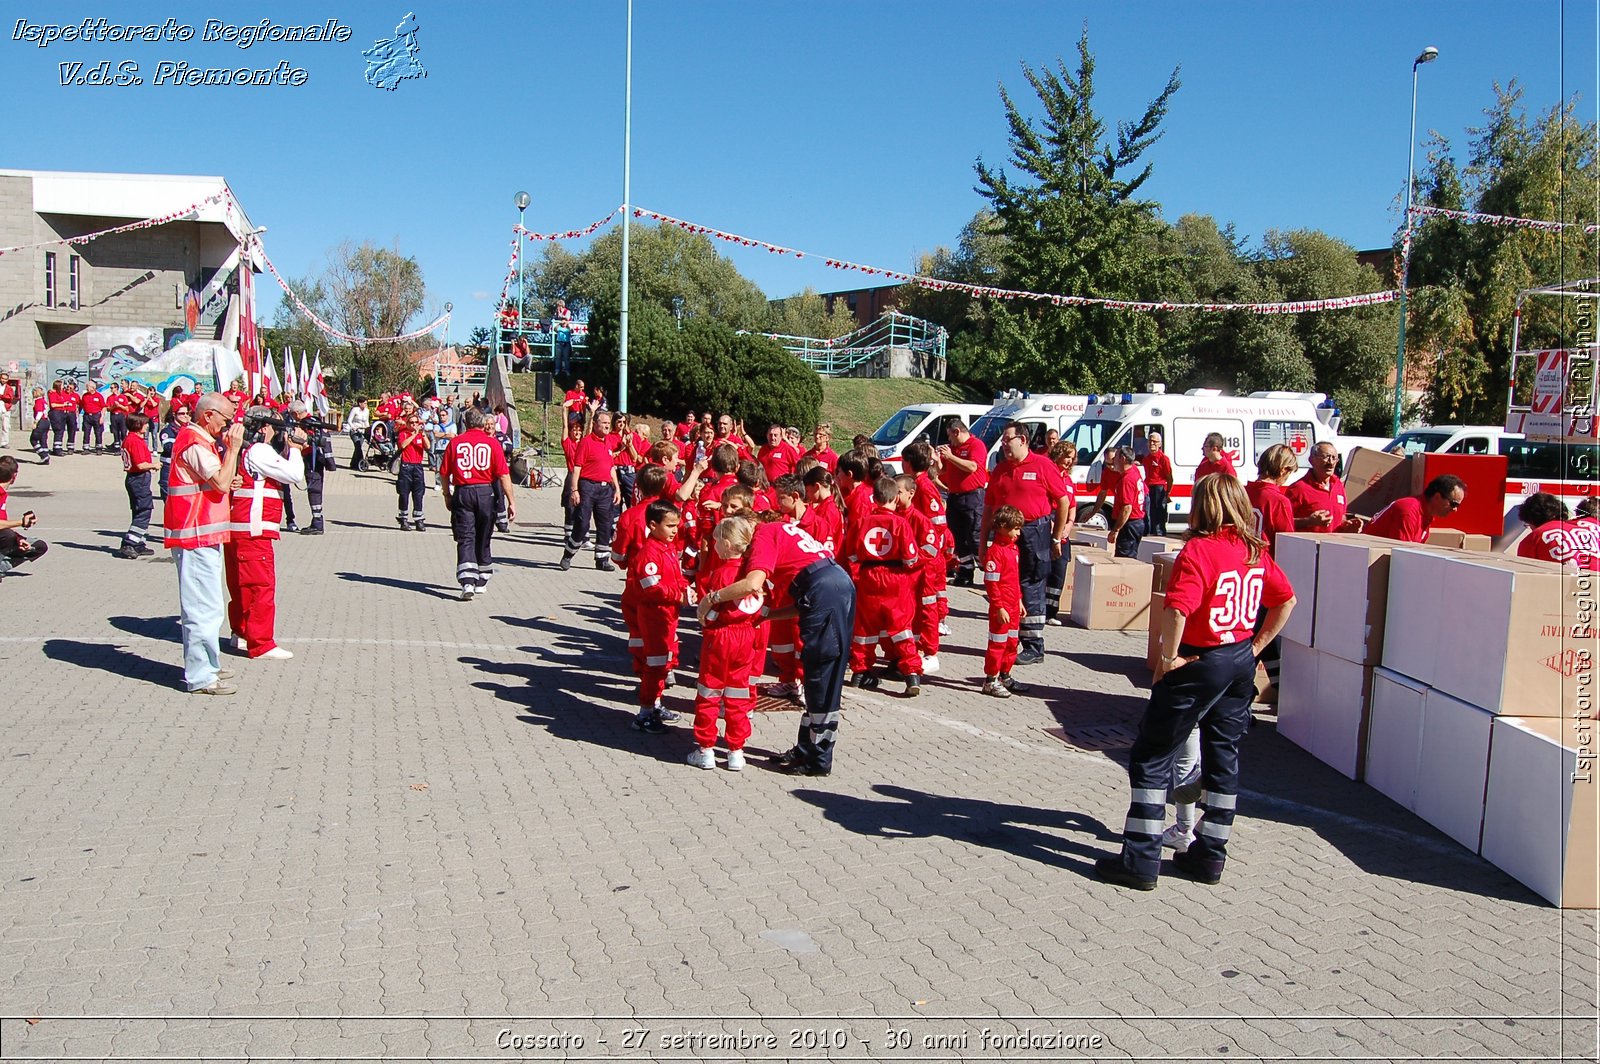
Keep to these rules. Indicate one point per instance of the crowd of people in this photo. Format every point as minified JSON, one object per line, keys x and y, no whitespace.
{"x":796,"y":560}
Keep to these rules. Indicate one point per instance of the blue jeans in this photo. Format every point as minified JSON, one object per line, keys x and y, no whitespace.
{"x":200,"y":611}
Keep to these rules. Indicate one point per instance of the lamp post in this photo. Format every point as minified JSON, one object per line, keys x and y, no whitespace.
{"x":522,"y":200}
{"x":627,"y":169}
{"x":1429,"y":54}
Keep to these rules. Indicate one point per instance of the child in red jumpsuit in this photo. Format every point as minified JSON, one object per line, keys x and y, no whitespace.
{"x":727,"y":653}
{"x":783,"y":635}
{"x":650,"y":601}
{"x":1003,"y":586}
{"x":885,"y":557}
{"x":929,"y":587}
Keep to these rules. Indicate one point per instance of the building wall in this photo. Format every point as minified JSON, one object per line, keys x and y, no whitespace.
{"x":131,"y":287}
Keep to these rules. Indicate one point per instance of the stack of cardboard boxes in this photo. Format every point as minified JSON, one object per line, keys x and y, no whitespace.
{"x":1452,"y":681}
{"x":1483,"y":712}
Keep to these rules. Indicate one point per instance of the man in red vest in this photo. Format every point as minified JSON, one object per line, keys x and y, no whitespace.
{"x":196,"y":522}
{"x":255,"y":510}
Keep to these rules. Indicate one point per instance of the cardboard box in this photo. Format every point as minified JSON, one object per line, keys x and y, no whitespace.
{"x":1423,"y":601}
{"x":1509,"y":642}
{"x":1152,"y":649}
{"x":1323,"y":707}
{"x":1367,"y":484}
{"x":1541,"y":812}
{"x":1110,"y":594}
{"x":1065,"y":602}
{"x":1092,"y":537}
{"x":1453,"y":768}
{"x":1296,"y":555}
{"x":1163,"y":564}
{"x":1394,"y":737}
{"x":1352,"y":597}
{"x":1457,"y":539}
{"x":1150,"y":546}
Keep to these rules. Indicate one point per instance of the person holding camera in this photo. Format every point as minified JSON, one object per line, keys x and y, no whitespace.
{"x":316,"y":448}
{"x":271,"y":465}
{"x":196,"y":521}
{"x":472,"y":462}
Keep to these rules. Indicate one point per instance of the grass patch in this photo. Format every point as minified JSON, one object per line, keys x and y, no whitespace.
{"x":855,"y":405}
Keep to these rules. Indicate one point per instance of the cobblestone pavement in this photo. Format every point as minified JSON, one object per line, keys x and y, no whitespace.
{"x":436,"y":816}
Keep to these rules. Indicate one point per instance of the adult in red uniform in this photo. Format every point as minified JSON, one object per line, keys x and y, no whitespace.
{"x":1274,"y":512}
{"x":730,"y":431}
{"x":799,"y":573}
{"x":820,"y":449}
{"x":10,"y":392}
{"x":196,"y":519}
{"x":1552,"y":537}
{"x":1220,"y":582}
{"x":777,"y":456}
{"x":1318,"y":497}
{"x":472,"y":463}
{"x":1128,"y":512}
{"x":1158,"y":482}
{"x":120,"y":404}
{"x":1214,"y":458}
{"x":593,"y":493}
{"x":93,"y":405}
{"x":1030,"y":482}
{"x":964,"y":474}
{"x":1409,"y":519}
{"x":63,"y":419}
{"x":255,"y":510}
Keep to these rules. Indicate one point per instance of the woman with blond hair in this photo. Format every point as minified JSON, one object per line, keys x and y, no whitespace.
{"x":1222,"y":580}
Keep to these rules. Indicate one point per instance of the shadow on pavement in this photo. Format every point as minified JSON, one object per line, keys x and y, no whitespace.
{"x":416,"y":586}
{"x":1042,"y":835}
{"x":1115,"y":664}
{"x":92,"y":548}
{"x":115,"y":660}
{"x":163,"y":628}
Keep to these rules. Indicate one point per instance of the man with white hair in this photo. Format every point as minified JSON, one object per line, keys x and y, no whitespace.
{"x":195,"y":520}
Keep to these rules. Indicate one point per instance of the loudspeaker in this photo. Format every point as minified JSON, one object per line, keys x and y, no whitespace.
{"x":544,"y":388}
{"x":357,"y":380}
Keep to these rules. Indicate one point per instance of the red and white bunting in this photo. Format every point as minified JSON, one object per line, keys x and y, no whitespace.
{"x":143,"y":223}
{"x":570,"y":234}
{"x":1503,"y":220}
{"x":1365,"y":299}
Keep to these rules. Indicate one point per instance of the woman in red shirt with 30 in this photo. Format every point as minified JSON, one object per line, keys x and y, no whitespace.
{"x":1552,"y":537}
{"x":1221,"y":581}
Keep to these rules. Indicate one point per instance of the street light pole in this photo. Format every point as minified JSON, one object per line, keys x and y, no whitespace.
{"x":1429,"y":54}
{"x":627,"y":169}
{"x":522,"y":200}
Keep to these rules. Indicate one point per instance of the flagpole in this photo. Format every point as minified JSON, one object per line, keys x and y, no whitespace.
{"x":627,"y":169}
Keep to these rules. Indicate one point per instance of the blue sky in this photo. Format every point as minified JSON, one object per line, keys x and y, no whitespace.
{"x":845,"y":129}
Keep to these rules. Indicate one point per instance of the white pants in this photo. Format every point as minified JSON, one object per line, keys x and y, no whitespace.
{"x":5,"y":427}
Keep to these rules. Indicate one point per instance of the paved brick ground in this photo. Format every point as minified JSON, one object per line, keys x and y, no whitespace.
{"x":437,"y":816}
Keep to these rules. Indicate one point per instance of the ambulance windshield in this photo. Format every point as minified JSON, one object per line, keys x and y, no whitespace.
{"x":1091,"y":436}
{"x":899,"y":427}
{"x":989,"y":427}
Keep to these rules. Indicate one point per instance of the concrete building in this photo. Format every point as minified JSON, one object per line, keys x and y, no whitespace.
{"x":101,"y":309}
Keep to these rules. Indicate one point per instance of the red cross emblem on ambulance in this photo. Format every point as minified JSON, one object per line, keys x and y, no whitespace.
{"x":1297,"y":443}
{"x":878,"y":542}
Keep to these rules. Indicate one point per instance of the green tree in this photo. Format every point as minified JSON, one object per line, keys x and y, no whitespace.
{"x":1465,"y":277}
{"x":1072,"y":223}
{"x":807,"y":314}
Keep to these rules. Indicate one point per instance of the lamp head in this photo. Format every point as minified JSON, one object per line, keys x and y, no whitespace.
{"x":523,"y":199}
{"x":1429,"y":54}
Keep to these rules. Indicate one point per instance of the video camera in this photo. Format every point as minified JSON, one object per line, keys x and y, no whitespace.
{"x":256,"y":417}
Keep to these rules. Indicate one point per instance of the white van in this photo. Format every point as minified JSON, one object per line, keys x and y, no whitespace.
{"x":925,"y":422}
{"x":1248,"y":423}
{"x":1039,"y":413}
{"x":1451,"y":439}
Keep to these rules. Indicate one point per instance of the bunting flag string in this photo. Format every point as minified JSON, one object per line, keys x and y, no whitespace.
{"x":1365,"y":299}
{"x":1504,"y":220}
{"x":441,"y":320}
{"x":570,"y":234}
{"x":143,"y":223}
{"x":511,"y":272}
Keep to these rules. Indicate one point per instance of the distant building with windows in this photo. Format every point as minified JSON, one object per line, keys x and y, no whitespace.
{"x":82,"y":310}
{"x":867,"y":304}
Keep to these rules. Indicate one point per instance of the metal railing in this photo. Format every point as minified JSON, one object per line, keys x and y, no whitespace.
{"x":540,"y":335}
{"x":837,"y":357}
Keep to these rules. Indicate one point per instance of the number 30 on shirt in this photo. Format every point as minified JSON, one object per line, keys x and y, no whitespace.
{"x":1240,"y":602}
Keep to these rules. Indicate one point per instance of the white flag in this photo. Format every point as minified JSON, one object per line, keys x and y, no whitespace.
{"x":291,"y":387}
{"x":305,"y":379}
{"x":269,"y":378}
{"x":319,"y":388}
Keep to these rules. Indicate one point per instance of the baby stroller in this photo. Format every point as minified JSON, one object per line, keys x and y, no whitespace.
{"x":383,"y":451}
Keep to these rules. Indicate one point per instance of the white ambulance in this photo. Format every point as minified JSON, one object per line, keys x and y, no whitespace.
{"x":1039,"y":413}
{"x":922,"y":422}
{"x":1248,"y":423}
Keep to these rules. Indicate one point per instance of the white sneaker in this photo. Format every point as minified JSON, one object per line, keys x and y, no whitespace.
{"x":482,"y":589}
{"x":930,"y":664}
{"x":1178,"y":837}
{"x":702,"y":757}
{"x":277,"y":654}
{"x":1056,"y":622}
{"x":944,"y":627}
{"x":735,"y":760}
{"x":467,"y":591}
{"x":783,"y":690}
